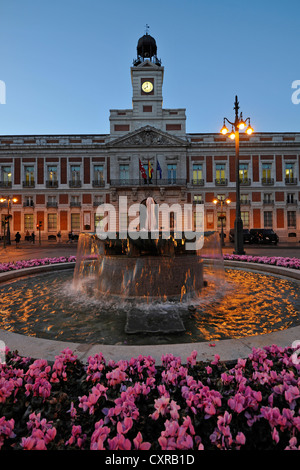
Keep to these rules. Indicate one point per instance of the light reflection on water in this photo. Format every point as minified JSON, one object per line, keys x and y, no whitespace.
{"x":248,"y":304}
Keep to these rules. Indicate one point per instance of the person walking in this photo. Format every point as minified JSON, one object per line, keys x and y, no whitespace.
{"x":59,"y":236}
{"x":17,"y":239}
{"x":33,"y":237}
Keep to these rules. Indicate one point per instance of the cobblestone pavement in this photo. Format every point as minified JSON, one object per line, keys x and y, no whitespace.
{"x":52,"y":249}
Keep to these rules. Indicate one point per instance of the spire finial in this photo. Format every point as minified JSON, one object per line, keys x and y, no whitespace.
{"x":147,"y":28}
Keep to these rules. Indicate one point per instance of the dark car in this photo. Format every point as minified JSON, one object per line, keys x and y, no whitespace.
{"x":246,"y":235}
{"x":264,"y":235}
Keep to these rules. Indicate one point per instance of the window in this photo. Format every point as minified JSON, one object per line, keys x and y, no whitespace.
{"x":124,"y":173}
{"x":75,"y":176}
{"x":75,"y":201}
{"x":221,"y":217}
{"x":52,"y":202}
{"x":99,"y":221}
{"x":98,"y":200}
{"x":266,"y":172}
{"x":268,"y":198}
{"x":98,"y":175}
{"x":245,"y":218}
{"x":75,"y":222}
{"x":28,"y":221}
{"x":29,"y":175}
{"x":289,"y":172}
{"x":291,"y":219}
{"x":290,"y":198}
{"x":6,"y":176}
{"x":52,"y":175}
{"x":198,"y":199}
{"x":244,"y":198}
{"x":197,"y":173}
{"x":172,"y":173}
{"x":243,"y":172}
{"x":28,"y":202}
{"x":220,"y":173}
{"x":52,"y":222}
{"x":268,"y":219}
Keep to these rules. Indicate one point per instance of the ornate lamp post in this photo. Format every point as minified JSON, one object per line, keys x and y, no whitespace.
{"x":9,"y":200}
{"x":222,"y":216}
{"x":238,"y":124}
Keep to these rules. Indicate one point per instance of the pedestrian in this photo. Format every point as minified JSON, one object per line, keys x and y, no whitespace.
{"x":59,"y":236}
{"x":27,"y":237}
{"x":33,"y":237}
{"x":17,"y":239}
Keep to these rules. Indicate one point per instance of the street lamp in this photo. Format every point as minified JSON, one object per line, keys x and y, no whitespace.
{"x":222,"y":216}
{"x":238,"y":124}
{"x":9,"y":200}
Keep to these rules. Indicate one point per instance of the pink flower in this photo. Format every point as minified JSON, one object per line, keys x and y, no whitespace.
{"x":124,"y":426}
{"x":139,"y":444}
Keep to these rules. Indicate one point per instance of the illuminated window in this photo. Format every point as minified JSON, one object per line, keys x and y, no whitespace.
{"x":28,"y":221}
{"x":52,"y":222}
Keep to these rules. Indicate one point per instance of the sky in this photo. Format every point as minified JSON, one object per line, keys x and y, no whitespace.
{"x":65,"y":63}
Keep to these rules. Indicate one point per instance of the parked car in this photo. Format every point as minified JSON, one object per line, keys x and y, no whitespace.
{"x":246,"y":235}
{"x":264,"y":235}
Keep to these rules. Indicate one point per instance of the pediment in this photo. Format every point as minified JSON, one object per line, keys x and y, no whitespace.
{"x":148,"y":65}
{"x":148,"y":136}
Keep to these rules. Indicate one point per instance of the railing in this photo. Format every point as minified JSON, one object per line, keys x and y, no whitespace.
{"x":28,"y":204}
{"x":245,"y":181}
{"x":5,"y":184}
{"x":98,"y":184}
{"x":75,"y":204}
{"x":268,"y":201}
{"x":97,"y":203}
{"x":198,"y":182}
{"x":290,"y":180}
{"x":52,"y":184}
{"x":221,"y":181}
{"x":195,"y":201}
{"x":52,"y":204}
{"x":153,"y":182}
{"x":245,"y":202}
{"x":267,"y":181}
{"x":29,"y":184}
{"x":75,"y":184}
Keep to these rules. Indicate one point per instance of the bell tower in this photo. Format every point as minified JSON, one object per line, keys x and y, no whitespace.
{"x":147,"y":79}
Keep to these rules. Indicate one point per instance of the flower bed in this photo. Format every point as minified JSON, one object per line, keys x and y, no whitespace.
{"x":136,"y":405}
{"x":286,"y":262}
{"x":15,"y":265}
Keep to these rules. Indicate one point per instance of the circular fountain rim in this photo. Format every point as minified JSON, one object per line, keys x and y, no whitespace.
{"x":227,"y":349}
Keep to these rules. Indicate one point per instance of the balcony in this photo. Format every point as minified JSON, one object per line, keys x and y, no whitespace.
{"x":245,"y":181}
{"x":98,"y":183}
{"x":197,"y":201}
{"x":267,"y":181}
{"x":292,"y":202}
{"x":29,"y":184}
{"x":75,"y":184}
{"x":154,"y":182}
{"x":221,"y":182}
{"x":52,"y":204}
{"x":245,"y":202}
{"x":269,"y":202}
{"x":28,"y":204}
{"x":97,"y":203}
{"x":75,"y":204}
{"x":290,"y":180}
{"x":51,"y":184}
{"x":5,"y":184}
{"x":198,"y":182}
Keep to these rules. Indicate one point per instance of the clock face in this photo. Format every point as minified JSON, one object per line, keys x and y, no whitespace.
{"x":147,"y":87}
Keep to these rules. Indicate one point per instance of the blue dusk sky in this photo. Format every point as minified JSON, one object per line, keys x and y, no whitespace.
{"x":66,"y":63}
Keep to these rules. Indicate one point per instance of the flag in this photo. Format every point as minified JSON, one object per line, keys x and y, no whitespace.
{"x":142,"y":170}
{"x":158,"y":168}
{"x":150,"y":169}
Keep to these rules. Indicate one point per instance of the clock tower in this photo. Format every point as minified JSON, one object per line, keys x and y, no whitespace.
{"x":147,"y":76}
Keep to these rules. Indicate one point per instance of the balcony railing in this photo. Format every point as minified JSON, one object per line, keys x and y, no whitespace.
{"x":153,"y":182}
{"x":245,"y":202}
{"x":290,"y":180}
{"x":52,"y":204}
{"x":198,"y":182}
{"x":98,"y":183}
{"x":268,"y":201}
{"x":196,"y":201}
{"x":294,"y":202}
{"x":75,"y":204}
{"x":29,"y":184}
{"x":221,"y":181}
{"x":28,"y":204}
{"x":245,"y":181}
{"x":97,"y":203}
{"x":51,"y":184}
{"x":75,"y":184}
{"x":267,"y":181}
{"x":5,"y":184}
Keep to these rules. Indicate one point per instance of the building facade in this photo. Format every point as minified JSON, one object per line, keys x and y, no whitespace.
{"x":58,"y":181}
